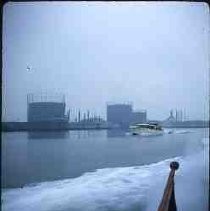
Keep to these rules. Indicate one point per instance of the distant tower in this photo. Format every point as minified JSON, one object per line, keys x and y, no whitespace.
{"x":176,"y":116}
{"x":88,"y":115}
{"x":68,"y":114}
{"x":171,"y":117}
{"x":79,"y":116}
{"x":184,"y":115}
{"x":181,"y":115}
{"x":171,"y":113}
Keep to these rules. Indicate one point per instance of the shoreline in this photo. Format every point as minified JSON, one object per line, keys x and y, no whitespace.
{"x":66,"y":126}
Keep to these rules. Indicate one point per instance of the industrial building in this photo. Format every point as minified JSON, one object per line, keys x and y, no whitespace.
{"x":139,"y":117}
{"x":44,"y":108}
{"x":119,"y":114}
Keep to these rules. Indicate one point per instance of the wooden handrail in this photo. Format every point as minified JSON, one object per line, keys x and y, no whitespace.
{"x":168,"y":202}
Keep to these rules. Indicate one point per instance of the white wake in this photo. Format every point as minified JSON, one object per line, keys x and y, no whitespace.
{"x":113,"y":189}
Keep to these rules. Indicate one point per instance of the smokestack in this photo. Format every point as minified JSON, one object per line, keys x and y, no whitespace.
{"x":184,"y":115}
{"x":68,"y":115}
{"x":88,"y":115}
{"x":180,"y":115}
{"x":171,"y":112}
{"x":79,"y":116}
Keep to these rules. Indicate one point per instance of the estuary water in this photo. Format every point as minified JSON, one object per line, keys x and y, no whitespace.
{"x":106,"y":170}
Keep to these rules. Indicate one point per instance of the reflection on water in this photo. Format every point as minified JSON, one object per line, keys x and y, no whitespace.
{"x":46,"y":159}
{"x":116,"y":133}
{"x":79,"y":134}
{"x":46,"y":156}
{"x":47,"y":134}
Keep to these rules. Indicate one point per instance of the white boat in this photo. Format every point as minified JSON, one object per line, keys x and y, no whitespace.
{"x":146,"y":129}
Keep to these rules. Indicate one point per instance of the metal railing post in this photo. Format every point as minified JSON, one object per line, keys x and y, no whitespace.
{"x":168,"y":202}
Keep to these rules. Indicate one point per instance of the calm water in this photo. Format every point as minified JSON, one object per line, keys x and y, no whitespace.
{"x":46,"y":156}
{"x":36,"y":157}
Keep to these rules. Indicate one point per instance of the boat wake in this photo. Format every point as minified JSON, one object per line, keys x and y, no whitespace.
{"x":127,"y":188}
{"x":165,"y":131}
{"x":176,"y":131}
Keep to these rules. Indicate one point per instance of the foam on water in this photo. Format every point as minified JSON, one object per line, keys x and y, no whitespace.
{"x":116,"y":188}
{"x":191,"y":183}
{"x":112,"y":189}
{"x":166,"y":131}
{"x":177,"y":131}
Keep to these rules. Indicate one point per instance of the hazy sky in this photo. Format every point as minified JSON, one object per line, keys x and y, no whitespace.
{"x":152,"y":54}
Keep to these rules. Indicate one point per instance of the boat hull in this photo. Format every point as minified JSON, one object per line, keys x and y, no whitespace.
{"x":147,"y":132}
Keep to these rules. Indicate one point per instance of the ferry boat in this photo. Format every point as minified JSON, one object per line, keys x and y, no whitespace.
{"x":149,"y":129}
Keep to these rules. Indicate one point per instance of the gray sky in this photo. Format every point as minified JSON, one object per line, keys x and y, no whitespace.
{"x":153,"y":54}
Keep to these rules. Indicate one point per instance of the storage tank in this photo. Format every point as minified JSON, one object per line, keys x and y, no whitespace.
{"x":43,"y":108}
{"x":119,"y":114}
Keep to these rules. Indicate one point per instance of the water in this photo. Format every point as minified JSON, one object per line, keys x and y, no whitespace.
{"x":101,"y":170}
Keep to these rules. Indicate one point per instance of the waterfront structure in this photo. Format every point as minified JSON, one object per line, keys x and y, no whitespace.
{"x":170,"y":121}
{"x":179,"y":116}
{"x":139,"y":117}
{"x":171,"y":118}
{"x":46,"y":108}
{"x":177,"y":121}
{"x":119,"y":115}
{"x":89,"y":123}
